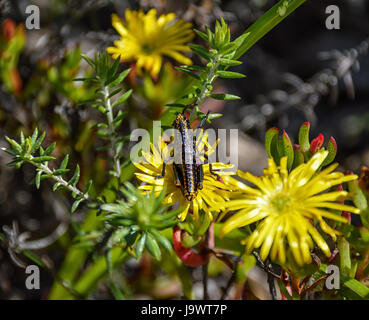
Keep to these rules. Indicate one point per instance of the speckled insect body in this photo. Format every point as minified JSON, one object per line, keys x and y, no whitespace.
{"x":189,"y":174}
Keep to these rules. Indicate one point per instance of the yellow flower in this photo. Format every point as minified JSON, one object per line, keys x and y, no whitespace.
{"x":145,"y":39}
{"x":213,"y":191}
{"x":285,"y":204}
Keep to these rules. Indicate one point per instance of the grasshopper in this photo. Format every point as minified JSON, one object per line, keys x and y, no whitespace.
{"x":188,"y":175}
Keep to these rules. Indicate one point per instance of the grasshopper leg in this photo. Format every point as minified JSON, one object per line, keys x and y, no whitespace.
{"x":200,"y":177}
{"x":162,"y":172}
{"x":176,"y":176}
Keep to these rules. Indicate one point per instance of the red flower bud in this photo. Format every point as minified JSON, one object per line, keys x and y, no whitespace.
{"x":340,"y":188}
{"x":333,"y":143}
{"x":296,"y":147}
{"x":316,"y":143}
{"x":8,"y":29}
{"x":348,"y":172}
{"x":188,"y":256}
{"x":347,"y":215}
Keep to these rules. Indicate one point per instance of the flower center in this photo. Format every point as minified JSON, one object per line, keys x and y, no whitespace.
{"x":147,"y":49}
{"x":281,"y":203}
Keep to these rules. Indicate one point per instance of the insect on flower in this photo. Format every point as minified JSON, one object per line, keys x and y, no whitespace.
{"x":189,"y":174}
{"x":191,"y":182}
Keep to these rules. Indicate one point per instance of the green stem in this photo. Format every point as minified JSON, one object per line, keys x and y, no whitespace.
{"x":112,"y":132}
{"x":73,"y":261}
{"x":58,"y":179}
{"x":210,"y":78}
{"x":88,"y":281}
{"x":265,"y":23}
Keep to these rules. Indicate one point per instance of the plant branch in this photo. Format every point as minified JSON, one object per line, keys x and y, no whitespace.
{"x":210,"y":78}
{"x":113,"y":139}
{"x":58,"y":179}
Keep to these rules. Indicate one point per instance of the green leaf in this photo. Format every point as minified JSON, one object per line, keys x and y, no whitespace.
{"x":14,"y":145}
{"x":304,"y":137}
{"x":264,"y":24}
{"x":298,"y":158}
{"x":89,"y":61}
{"x":122,"y":98}
{"x":17,"y":162}
{"x":201,"y":34}
{"x":188,"y":72}
{"x":59,"y":172}
{"x":113,"y":93}
{"x":270,"y":139}
{"x":87,"y":187}
{"x":200,"y":51}
{"x":38,"y":179}
{"x":89,"y":79}
{"x":56,"y":186}
{"x":247,"y":262}
{"x":23,"y":140}
{"x":229,"y":62}
{"x":228,"y":48}
{"x":332,"y":152}
{"x":114,"y":208}
{"x":230,"y":74}
{"x":34,"y":257}
{"x":284,"y":290}
{"x":119,"y":79}
{"x":140,"y":245}
{"x":42,"y":159}
{"x":75,"y":177}
{"x":109,"y":262}
{"x":345,"y":259}
{"x":114,"y":68}
{"x":152,"y":246}
{"x":224,"y":96}
{"x":193,"y":68}
{"x":38,"y":142}
{"x":213,"y":116}
{"x":64,"y":163}
{"x":33,"y":140}
{"x":162,"y":239}
{"x":115,"y":290}
{"x":131,"y":238}
{"x":76,"y":204}
{"x":9,"y":151}
{"x":358,"y":195}
{"x":360,"y":201}
{"x":49,"y":149}
{"x":287,"y":149}
{"x":357,"y":287}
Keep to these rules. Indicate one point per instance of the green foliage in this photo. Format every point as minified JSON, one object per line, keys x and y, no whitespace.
{"x":265,"y":24}
{"x":278,"y":147}
{"x":108,"y":97}
{"x":29,"y":150}
{"x":218,"y":58}
{"x":139,"y":220}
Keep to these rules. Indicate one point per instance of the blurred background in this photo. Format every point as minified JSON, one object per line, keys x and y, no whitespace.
{"x":301,"y":71}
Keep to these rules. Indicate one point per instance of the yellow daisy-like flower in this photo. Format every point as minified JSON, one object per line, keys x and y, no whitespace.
{"x":212,"y":193}
{"x":146,"y":39}
{"x":286,"y":204}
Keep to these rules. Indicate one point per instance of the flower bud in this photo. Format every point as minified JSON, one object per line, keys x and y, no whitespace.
{"x":316,"y":143}
{"x":188,"y":256}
